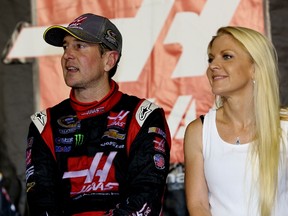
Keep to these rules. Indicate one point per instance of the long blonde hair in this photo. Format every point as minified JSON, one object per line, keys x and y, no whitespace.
{"x":265,"y":151}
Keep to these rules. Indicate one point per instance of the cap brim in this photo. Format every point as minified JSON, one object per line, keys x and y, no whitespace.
{"x":54,"y":35}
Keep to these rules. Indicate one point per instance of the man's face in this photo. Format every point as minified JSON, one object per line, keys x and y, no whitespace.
{"x":82,"y":64}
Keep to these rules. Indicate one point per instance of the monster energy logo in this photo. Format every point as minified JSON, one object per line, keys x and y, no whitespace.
{"x":79,"y":138}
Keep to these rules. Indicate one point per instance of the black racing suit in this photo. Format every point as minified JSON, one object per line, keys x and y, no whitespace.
{"x":109,"y":157}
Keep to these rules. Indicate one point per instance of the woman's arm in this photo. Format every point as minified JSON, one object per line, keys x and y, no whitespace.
{"x":195,"y":183}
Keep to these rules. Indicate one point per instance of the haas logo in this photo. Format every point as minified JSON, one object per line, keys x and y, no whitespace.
{"x":85,"y":180}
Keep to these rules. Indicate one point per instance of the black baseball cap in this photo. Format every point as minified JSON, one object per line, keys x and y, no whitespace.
{"x":88,"y":27}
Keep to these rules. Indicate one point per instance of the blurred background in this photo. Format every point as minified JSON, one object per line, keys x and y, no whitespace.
{"x":164,"y":59}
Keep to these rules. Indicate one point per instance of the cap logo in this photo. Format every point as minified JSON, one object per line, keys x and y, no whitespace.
{"x":77,"y":22}
{"x":111,"y":37}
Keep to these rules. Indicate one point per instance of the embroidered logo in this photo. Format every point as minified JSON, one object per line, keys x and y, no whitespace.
{"x":159,"y":161}
{"x":77,"y":22}
{"x":118,"y":119}
{"x":157,"y":130}
{"x":101,"y":167}
{"x":68,"y":121}
{"x":79,"y":139}
{"x":114,"y":134}
{"x":145,"y":110}
{"x":159,"y":144}
{"x":40,"y":116}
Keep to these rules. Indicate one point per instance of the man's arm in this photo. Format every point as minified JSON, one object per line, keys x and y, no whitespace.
{"x":149,"y":166}
{"x":40,"y":176}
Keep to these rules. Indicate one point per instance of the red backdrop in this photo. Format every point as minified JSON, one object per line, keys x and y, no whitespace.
{"x":166,"y":44}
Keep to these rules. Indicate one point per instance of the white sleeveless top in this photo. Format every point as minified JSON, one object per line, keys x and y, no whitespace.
{"x":232,"y":192}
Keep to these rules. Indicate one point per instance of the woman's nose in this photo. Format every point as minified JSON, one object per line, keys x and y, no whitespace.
{"x":214,"y":65}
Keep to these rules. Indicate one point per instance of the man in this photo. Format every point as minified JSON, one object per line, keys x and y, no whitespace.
{"x":100,"y":151}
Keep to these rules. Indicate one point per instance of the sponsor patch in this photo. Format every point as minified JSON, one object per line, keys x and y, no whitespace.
{"x":110,"y":36}
{"x":29,"y":186}
{"x":77,"y":22}
{"x":144,"y":110}
{"x":65,"y":141}
{"x":63,"y":148}
{"x":93,"y":111}
{"x":30,"y":141}
{"x":117,"y":119}
{"x":29,"y":172}
{"x":159,"y":161}
{"x":67,"y":130}
{"x":114,"y":134}
{"x":159,"y":144}
{"x":112,"y":144}
{"x":95,"y":177}
{"x":157,"y":131}
{"x":79,"y":139}
{"x":41,"y":117}
{"x":28,"y":157}
{"x":68,"y":121}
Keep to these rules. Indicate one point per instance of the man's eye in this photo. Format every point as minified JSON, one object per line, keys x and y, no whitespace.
{"x":210,"y":60}
{"x":80,"y":46}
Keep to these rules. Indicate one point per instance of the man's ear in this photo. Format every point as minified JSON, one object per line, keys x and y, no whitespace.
{"x":112,"y":57}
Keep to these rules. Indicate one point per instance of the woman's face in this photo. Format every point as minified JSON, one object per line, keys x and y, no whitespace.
{"x":230,"y":69}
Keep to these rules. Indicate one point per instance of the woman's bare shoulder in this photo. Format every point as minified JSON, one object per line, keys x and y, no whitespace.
{"x":194,"y":125}
{"x":193,"y":134}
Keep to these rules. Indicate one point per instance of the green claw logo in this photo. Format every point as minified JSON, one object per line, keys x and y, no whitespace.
{"x":79,"y":138}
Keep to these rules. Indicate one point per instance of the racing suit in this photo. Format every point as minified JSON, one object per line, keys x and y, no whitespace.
{"x":103,"y":158}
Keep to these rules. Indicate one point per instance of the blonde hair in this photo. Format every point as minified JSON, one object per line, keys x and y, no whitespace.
{"x":265,"y":151}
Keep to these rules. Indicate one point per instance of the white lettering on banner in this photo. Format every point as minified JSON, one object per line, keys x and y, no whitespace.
{"x":194,"y":37}
{"x":148,"y":23}
{"x":93,"y":171}
{"x":184,"y":106}
{"x":151,"y":16}
{"x":190,"y":30}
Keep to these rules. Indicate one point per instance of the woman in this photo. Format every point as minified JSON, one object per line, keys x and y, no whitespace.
{"x":235,"y":160}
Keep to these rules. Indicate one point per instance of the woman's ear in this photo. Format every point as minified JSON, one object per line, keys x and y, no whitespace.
{"x":253,"y":72}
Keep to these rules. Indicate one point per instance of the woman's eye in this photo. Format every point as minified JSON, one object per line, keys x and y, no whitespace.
{"x":227,"y":56}
{"x":210,"y":58}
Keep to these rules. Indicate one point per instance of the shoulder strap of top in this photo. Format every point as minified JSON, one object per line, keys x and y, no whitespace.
{"x":202,"y":118}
